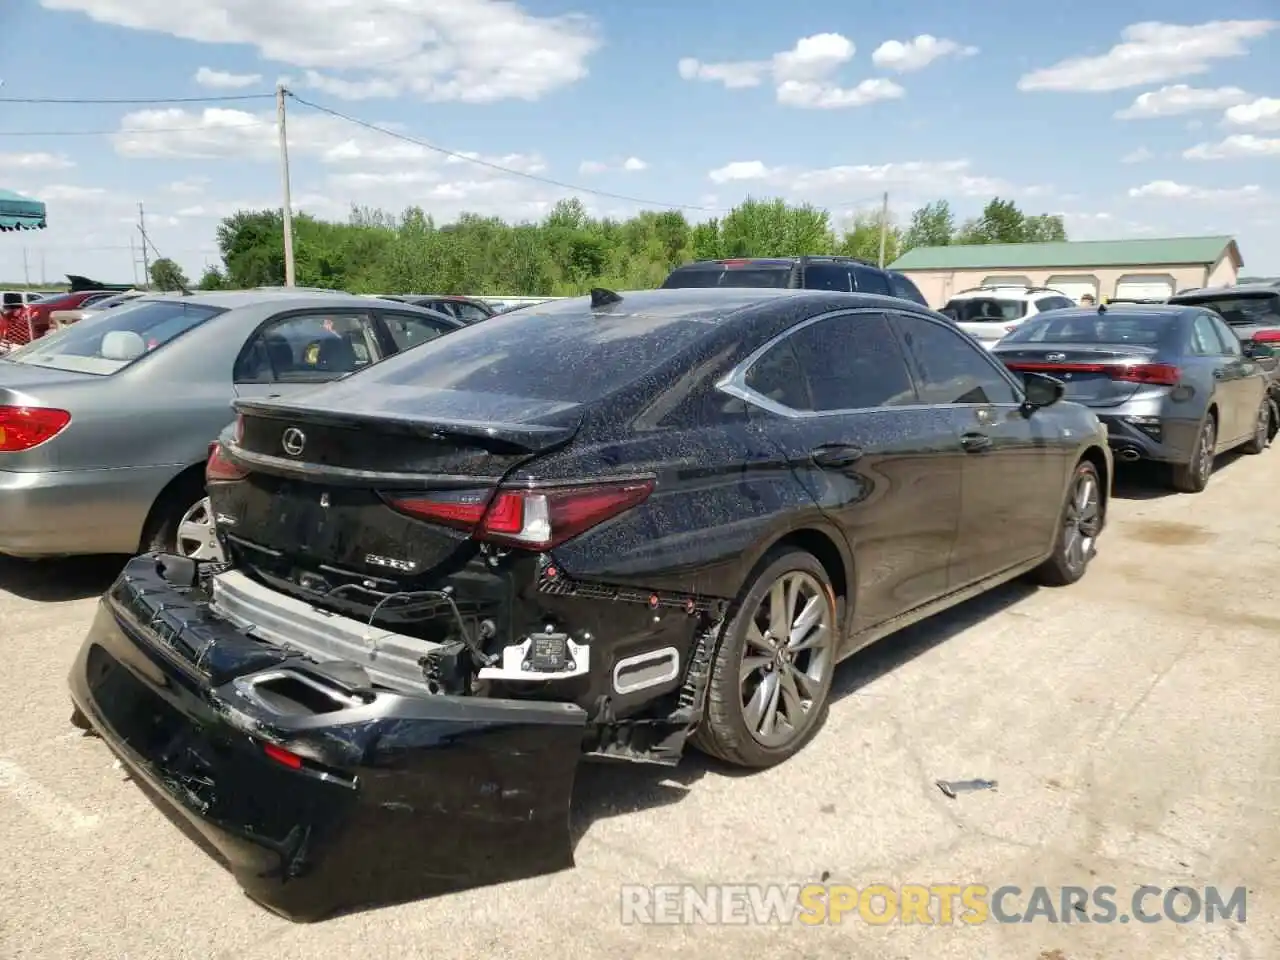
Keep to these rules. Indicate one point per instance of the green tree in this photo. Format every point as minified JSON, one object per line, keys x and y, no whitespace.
{"x":862,"y":240}
{"x":212,"y":279}
{"x":1043,"y":228}
{"x":167,"y":275}
{"x":932,"y":225}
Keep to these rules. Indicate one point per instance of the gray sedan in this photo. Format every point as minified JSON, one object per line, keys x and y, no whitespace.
{"x":105,"y":425}
{"x":1172,"y":383}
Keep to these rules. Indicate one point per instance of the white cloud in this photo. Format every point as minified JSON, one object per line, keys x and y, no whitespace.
{"x":189,"y":185}
{"x":926,"y":177}
{"x":1261,"y":114}
{"x":1178,"y":99}
{"x":802,"y":76}
{"x":1151,"y":52}
{"x":367,"y":89}
{"x":35,"y":161}
{"x":818,"y":96}
{"x":634,"y":165}
{"x":1141,"y":155}
{"x":590,"y":167}
{"x":474,"y":51}
{"x":1238,"y":146}
{"x":629,"y":165}
{"x":1170,"y":190}
{"x":741,"y":170}
{"x":918,"y":53}
{"x":221,"y":80}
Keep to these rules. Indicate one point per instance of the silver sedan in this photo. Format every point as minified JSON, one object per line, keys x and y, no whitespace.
{"x":105,"y":425}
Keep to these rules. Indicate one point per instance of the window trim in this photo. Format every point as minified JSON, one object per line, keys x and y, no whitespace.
{"x":734,"y":383}
{"x":1019,"y":390}
{"x":369,"y":313}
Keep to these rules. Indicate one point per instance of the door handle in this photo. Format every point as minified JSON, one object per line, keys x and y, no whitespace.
{"x":836,"y":455}
{"x":975,"y":442}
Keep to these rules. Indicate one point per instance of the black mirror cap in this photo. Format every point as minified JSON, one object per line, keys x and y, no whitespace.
{"x":1042,"y":390}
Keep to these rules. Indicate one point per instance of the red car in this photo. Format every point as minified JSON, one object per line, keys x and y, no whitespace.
{"x":22,"y":324}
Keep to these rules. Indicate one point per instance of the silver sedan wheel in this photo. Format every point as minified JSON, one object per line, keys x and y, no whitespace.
{"x":196,"y":537}
{"x":787,"y":659}
{"x":1082,"y":522}
{"x":1207,"y":452}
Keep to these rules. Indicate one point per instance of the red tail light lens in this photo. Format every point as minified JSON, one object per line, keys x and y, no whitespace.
{"x":218,"y":468}
{"x":1159,"y":374}
{"x":535,"y":519}
{"x":280,"y":755}
{"x":1266,"y":336}
{"x":22,"y":428}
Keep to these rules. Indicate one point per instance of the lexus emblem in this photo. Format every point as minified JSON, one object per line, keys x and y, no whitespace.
{"x":1052,"y":357}
{"x":293,"y":440}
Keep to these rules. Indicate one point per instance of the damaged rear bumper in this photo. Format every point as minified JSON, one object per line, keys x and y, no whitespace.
{"x":321,"y":797}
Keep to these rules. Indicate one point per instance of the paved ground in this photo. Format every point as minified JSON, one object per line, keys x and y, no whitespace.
{"x":1131,"y":721}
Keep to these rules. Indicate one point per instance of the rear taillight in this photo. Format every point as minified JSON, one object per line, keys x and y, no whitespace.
{"x":286,"y":758}
{"x":218,"y":468}
{"x":1159,"y":374}
{"x":535,"y":519}
{"x":22,"y":428}
{"x":1266,"y":336}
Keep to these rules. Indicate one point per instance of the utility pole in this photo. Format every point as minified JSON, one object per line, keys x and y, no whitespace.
{"x":26,"y":271}
{"x":133,"y":258}
{"x":146,"y":261}
{"x":884,"y":227}
{"x":42,"y":280}
{"x":287,"y":207}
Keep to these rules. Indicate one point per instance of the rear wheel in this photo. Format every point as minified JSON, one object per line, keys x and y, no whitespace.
{"x":1078,"y":534}
{"x":1193,"y":476}
{"x":1261,"y":430}
{"x":772,"y":671}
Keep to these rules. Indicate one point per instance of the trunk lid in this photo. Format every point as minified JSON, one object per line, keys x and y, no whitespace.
{"x":1092,"y":373}
{"x":315,"y":503}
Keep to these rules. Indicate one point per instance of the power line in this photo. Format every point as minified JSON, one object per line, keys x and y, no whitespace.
{"x":497,"y":166}
{"x":132,"y":130}
{"x":137,"y":100}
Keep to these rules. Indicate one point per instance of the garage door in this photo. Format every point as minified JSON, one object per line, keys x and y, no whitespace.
{"x":1075,"y":287}
{"x":1137,"y":286}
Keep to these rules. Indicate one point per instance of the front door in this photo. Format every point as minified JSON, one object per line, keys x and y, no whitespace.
{"x":1014,"y":465}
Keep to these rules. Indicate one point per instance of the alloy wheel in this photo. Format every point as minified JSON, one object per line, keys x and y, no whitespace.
{"x":196,"y":537}
{"x":1081,"y":523}
{"x":1208,"y":439}
{"x":787,"y":658}
{"x":1263,"y":427}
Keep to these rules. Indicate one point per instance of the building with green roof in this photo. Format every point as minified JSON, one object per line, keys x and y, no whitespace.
{"x":1126,"y":269}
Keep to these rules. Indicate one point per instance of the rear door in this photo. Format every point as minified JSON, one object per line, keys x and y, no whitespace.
{"x":1014,"y":465}
{"x":1248,"y":376}
{"x":1229,"y":378}
{"x":835,"y":397}
{"x":299,"y":350}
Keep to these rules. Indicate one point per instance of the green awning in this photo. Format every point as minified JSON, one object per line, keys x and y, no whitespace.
{"x":20,"y":213}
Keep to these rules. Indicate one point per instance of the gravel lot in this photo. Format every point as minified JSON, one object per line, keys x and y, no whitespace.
{"x":1131,"y":721}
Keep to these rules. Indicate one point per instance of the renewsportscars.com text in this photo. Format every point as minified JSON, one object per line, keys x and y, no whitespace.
{"x":936,"y":904}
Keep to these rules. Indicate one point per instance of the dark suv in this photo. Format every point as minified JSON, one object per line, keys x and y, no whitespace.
{"x":846,"y":274}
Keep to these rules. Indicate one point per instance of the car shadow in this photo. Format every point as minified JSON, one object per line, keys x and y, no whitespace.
{"x":1149,"y":481}
{"x":611,"y":789}
{"x":61,"y":579}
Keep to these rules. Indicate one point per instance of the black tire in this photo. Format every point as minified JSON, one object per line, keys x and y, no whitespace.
{"x":1193,"y":476}
{"x":1262,"y":431}
{"x":161,"y":534}
{"x":1070,"y":557}
{"x":80,"y":721}
{"x":723,"y":731}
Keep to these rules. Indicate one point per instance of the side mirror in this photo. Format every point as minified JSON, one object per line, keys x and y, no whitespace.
{"x":1041,"y":390}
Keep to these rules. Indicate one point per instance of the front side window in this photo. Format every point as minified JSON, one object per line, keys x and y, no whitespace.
{"x":867,"y":280}
{"x":828,"y":276}
{"x":308,"y":348}
{"x":951,"y":369}
{"x":848,"y":362}
{"x":106,"y":342}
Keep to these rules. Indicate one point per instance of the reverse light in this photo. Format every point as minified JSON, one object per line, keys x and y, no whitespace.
{"x":1157,"y":374}
{"x":218,"y":468}
{"x":537,"y":519}
{"x":23,"y":428}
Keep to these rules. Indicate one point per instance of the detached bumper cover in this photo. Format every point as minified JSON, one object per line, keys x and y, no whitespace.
{"x":321,"y":798}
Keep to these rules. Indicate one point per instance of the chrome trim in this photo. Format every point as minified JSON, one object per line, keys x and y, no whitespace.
{"x":666,"y":653}
{"x":246,"y":685}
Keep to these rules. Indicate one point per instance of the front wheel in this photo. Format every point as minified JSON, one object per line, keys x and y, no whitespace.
{"x":1081,"y":522}
{"x":771,"y":675}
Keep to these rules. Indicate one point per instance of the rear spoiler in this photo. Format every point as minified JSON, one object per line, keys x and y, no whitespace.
{"x":496,"y":436}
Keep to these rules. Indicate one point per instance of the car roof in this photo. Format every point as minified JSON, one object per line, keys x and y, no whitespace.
{"x":709,"y":304}
{"x":1240,"y":288}
{"x":282,"y":297}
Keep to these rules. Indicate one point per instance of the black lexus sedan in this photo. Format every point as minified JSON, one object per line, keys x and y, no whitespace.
{"x":606,"y":525}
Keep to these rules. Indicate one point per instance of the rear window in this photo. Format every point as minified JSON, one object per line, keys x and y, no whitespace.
{"x":1110,"y":327}
{"x":778,"y":277}
{"x":13,"y":300}
{"x":567,"y":355}
{"x":105,"y":342}
{"x":1242,"y":311}
{"x":986,"y":310}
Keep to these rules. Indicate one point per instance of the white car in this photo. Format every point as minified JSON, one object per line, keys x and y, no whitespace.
{"x":989,"y":313}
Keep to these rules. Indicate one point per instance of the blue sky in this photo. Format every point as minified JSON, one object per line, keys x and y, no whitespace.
{"x":1129,"y":118}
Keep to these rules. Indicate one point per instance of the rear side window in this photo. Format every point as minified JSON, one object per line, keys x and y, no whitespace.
{"x":544,"y":352}
{"x":1053,"y":303}
{"x":902,"y":287}
{"x":828,"y":276}
{"x":409,"y":330}
{"x":106,"y":342}
{"x":952,"y":369}
{"x":841,"y":363}
{"x":867,"y":280}
{"x":13,"y":300}
{"x":1204,"y":338}
{"x":986,"y":310}
{"x":778,"y":277}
